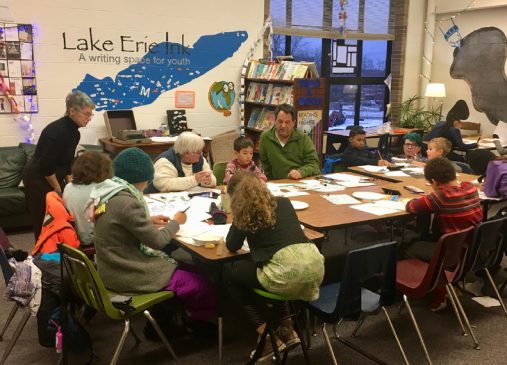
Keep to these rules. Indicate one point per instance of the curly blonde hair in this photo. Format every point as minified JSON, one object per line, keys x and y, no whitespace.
{"x":252,"y":203}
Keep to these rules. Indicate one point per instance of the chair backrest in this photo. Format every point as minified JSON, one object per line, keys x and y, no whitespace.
{"x":486,"y":245}
{"x":6,"y":268}
{"x":471,"y":126}
{"x":373,"y":267}
{"x":86,"y":281}
{"x":499,"y":147}
{"x":222,"y":146}
{"x":383,"y":144}
{"x":219,"y":172}
{"x":449,"y":254}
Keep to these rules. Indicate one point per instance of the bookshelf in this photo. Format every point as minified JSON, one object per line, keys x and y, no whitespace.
{"x":268,"y":84}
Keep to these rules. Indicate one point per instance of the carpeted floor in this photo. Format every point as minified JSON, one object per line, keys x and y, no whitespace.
{"x":440,"y":330}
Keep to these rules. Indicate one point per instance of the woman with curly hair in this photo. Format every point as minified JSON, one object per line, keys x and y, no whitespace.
{"x":283,"y":261}
{"x":89,"y":169}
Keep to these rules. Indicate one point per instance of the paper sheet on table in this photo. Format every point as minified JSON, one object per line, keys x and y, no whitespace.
{"x":192,"y":229}
{"x":164,"y":139}
{"x":290,"y":194}
{"x":374,"y":209}
{"x":343,"y":177}
{"x":372,"y":168}
{"x":340,"y":199}
{"x":329,"y":188}
{"x":157,"y":208}
{"x":414,"y":170}
{"x":199,"y":208}
{"x":487,"y":301}
{"x":390,"y":204}
{"x":396,"y":173}
{"x":354,"y":184}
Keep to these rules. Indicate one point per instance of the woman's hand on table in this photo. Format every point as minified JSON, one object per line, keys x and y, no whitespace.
{"x":159,"y":220}
{"x":203,"y":177}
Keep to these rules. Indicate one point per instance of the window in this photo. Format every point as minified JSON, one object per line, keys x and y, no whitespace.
{"x":355,"y":67}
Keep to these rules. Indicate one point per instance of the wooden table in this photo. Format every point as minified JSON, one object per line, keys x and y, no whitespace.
{"x":373,"y":132}
{"x":152,"y":149}
{"x":408,"y":180}
{"x":322,"y":215}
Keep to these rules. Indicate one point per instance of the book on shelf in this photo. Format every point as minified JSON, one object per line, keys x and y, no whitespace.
{"x":269,"y":94}
{"x":277,"y":92}
{"x":254,"y":117}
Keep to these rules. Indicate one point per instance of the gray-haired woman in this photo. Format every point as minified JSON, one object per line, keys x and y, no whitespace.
{"x":49,"y":168}
{"x":182,"y":166}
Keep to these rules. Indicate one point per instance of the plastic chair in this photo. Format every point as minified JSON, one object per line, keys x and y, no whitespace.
{"x":416,"y":278}
{"x":270,"y":329}
{"x":90,"y":288}
{"x":383,"y":144}
{"x":7,"y":273}
{"x":219,"y":172}
{"x":367,"y":286}
{"x":485,"y":251}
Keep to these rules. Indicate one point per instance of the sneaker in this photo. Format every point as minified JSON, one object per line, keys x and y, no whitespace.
{"x":439,"y":299}
{"x":267,"y":351}
{"x":475,"y":287}
{"x":288,"y":336}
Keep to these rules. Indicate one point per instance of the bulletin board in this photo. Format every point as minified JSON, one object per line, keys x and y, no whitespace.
{"x":17,"y":68}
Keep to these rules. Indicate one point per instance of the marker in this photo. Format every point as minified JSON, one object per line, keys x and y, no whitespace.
{"x":184,"y":210}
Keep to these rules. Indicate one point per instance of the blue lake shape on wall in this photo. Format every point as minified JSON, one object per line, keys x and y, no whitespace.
{"x":168,"y":66}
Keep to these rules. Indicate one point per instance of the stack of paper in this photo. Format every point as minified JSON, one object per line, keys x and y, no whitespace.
{"x":341,"y":199}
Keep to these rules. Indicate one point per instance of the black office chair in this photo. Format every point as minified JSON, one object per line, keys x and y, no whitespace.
{"x":368,"y":285}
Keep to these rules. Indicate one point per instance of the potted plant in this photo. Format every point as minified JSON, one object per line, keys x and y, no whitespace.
{"x":412,"y":116}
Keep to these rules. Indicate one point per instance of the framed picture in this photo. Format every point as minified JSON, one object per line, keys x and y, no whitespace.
{"x":185,"y":99}
{"x":17,"y":67}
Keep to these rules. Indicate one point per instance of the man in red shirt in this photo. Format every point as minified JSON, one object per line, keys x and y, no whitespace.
{"x":455,"y":206}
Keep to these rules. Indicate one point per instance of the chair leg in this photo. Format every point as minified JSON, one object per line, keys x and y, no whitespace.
{"x":272,"y":338}
{"x":503,"y":286}
{"x":400,"y":347}
{"x":498,"y":296}
{"x":258,"y":349}
{"x":119,"y":347}
{"x":297,"y":328}
{"x":456,"y":312}
{"x":465,"y":317}
{"x":15,"y":336}
{"x":328,"y":343}
{"x":12,"y":313}
{"x":134,"y":333}
{"x":307,"y":328}
{"x":166,"y":343}
{"x":359,"y":323}
{"x":421,"y":340}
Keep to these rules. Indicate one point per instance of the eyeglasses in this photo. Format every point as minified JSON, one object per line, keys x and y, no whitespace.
{"x":87,"y":114}
{"x":410,"y":145}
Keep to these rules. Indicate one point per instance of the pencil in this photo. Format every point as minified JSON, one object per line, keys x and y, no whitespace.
{"x":379,"y":155}
{"x":184,"y":210}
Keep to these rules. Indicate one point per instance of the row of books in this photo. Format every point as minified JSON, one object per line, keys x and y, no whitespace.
{"x":261,"y":118}
{"x":287,"y":70}
{"x":269,"y":93}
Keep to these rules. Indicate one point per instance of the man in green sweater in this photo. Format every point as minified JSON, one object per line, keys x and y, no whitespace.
{"x":286,"y":152}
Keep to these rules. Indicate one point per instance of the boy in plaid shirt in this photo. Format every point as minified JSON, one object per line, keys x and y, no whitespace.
{"x":243,"y":151}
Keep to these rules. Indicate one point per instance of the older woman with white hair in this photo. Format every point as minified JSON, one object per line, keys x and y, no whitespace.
{"x":182,"y":166}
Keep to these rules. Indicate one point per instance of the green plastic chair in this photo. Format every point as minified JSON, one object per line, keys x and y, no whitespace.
{"x":219,"y":172}
{"x":270,"y":329}
{"x":89,"y":287}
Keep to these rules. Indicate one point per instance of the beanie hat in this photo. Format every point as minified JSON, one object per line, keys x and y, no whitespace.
{"x":133,"y":165}
{"x":460,"y":110}
{"x":414,"y":137}
{"x":479,"y":159}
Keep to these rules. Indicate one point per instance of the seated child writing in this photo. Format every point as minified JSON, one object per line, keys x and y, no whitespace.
{"x":438,"y":147}
{"x":243,"y":152}
{"x":455,"y":206}
{"x":357,"y":153}
{"x":283,"y":261}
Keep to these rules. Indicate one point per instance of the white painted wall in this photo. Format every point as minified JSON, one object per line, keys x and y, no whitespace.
{"x":59,"y":70}
{"x":484,"y":13}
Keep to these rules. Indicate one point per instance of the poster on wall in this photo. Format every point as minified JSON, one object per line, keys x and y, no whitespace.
{"x":308,"y":120}
{"x":16,"y":67}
